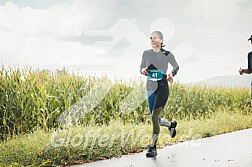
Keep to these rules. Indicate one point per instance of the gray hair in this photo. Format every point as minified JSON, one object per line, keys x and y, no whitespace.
{"x":160,"y":35}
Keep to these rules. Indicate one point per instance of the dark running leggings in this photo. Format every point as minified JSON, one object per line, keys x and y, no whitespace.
{"x":157,"y":93}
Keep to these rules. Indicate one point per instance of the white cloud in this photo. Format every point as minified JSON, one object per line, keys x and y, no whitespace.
{"x":61,"y":19}
{"x":39,"y":36}
{"x":216,"y":30}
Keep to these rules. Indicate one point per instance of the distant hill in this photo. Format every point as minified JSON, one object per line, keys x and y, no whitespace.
{"x":228,"y":81}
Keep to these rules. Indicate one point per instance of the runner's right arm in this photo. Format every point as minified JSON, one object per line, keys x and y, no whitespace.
{"x":143,"y":68}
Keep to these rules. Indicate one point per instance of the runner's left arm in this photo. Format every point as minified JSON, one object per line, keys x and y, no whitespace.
{"x":174,"y":64}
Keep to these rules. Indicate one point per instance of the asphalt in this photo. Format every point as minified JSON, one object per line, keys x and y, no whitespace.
{"x":227,"y":150}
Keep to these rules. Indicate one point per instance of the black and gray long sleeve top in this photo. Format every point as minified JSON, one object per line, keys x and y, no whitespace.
{"x":159,"y":60}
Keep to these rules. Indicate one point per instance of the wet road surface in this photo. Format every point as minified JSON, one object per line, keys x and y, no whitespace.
{"x":227,"y":150}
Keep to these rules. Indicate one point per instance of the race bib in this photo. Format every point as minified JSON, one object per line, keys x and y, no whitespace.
{"x":155,"y":75}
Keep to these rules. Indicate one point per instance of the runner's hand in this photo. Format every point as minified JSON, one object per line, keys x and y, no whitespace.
{"x":145,"y":71}
{"x":170,"y":78}
{"x":240,"y":71}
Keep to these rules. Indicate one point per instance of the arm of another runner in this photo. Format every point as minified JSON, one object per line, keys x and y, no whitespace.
{"x":246,"y":71}
{"x":249,"y":69}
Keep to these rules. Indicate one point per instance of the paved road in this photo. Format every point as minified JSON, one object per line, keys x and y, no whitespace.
{"x":227,"y":150}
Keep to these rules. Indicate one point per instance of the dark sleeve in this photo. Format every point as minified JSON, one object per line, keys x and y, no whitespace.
{"x":143,"y":62}
{"x":250,"y":61}
{"x":174,"y":64}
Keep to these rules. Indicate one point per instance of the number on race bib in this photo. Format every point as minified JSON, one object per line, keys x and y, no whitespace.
{"x":155,"y":75}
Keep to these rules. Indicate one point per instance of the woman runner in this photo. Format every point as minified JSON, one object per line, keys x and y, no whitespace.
{"x":154,"y":65}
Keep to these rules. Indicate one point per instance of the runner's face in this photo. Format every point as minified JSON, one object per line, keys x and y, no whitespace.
{"x":155,"y":40}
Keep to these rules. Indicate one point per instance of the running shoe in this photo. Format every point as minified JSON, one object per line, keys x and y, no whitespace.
{"x":152,"y":151}
{"x":172,"y":129}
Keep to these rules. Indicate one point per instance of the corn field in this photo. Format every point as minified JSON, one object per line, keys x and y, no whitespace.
{"x":32,"y":98}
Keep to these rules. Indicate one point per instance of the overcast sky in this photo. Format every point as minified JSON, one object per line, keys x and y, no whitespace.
{"x":208,"y":38}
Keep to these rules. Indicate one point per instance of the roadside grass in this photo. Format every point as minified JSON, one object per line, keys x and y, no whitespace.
{"x":32,"y":98}
{"x":32,"y":103}
{"x":83,"y":144}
